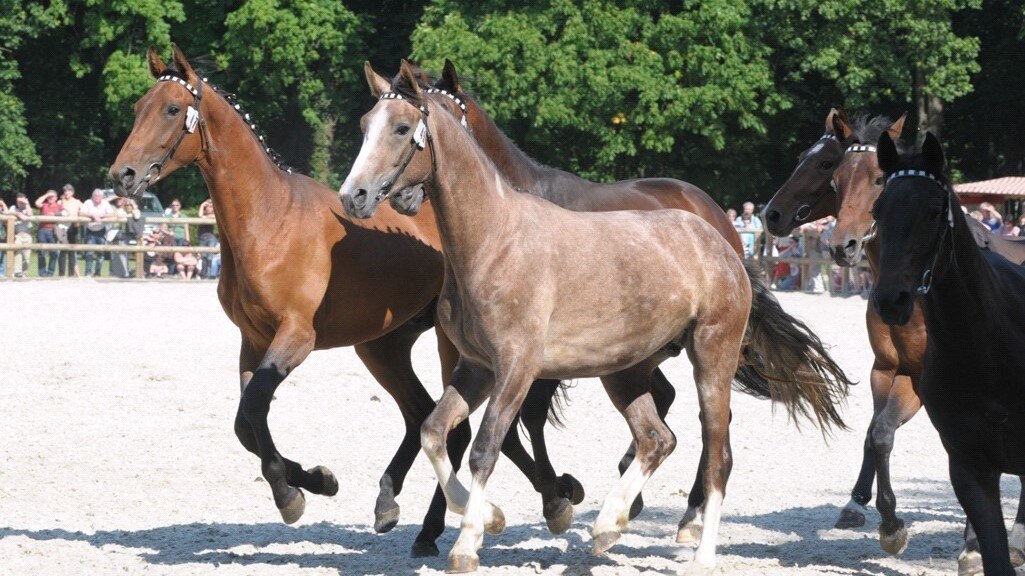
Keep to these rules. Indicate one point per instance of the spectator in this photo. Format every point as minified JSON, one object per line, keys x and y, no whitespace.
{"x":48,"y":206}
{"x":22,"y":210}
{"x":748,"y":221}
{"x":128,"y":233}
{"x":788,"y":276}
{"x":976,"y":214}
{"x":98,"y":211}
{"x":990,"y":217}
{"x":207,"y":236}
{"x":185,"y":264}
{"x":181,"y":231}
{"x":67,"y":261}
{"x":731,"y":215}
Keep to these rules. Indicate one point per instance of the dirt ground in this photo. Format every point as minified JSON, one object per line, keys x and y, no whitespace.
{"x":117,"y":456}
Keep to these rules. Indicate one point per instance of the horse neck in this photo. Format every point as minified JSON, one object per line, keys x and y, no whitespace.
{"x":469,"y":196}
{"x":521,"y":170}
{"x":245,"y":184}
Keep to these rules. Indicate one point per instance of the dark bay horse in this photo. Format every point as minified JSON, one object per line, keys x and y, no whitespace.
{"x":973,"y":302}
{"x":297,"y":276}
{"x":536,"y":291}
{"x":575,"y":193}
{"x":854,"y":183}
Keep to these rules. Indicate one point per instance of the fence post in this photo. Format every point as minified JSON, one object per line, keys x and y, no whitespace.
{"x":10,"y":253}
{"x":140,"y":263}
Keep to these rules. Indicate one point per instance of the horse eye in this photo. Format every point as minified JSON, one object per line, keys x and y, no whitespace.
{"x":173,"y":110}
{"x":826,"y":164}
{"x":880,"y":180}
{"x":402,"y":130}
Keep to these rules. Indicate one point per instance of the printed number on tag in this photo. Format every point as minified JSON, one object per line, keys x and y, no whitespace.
{"x":420,"y":134}
{"x":191,"y":119}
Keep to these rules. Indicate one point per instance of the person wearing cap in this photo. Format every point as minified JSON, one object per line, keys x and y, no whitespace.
{"x":67,"y":261}
{"x":98,"y":211}
{"x":48,"y":206}
{"x":22,"y":211}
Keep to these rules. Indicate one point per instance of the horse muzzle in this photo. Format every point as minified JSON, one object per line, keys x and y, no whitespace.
{"x":893,"y":306}
{"x":847,"y":252}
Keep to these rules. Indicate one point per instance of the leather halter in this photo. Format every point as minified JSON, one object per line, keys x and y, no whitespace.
{"x":421,"y":138}
{"x":925,"y":284}
{"x":193,"y":118}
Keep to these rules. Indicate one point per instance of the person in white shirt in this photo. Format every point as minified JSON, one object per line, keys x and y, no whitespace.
{"x":98,"y":211}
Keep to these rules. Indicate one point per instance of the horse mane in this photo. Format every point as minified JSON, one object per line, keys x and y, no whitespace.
{"x":232,"y":100}
{"x":866,"y":129}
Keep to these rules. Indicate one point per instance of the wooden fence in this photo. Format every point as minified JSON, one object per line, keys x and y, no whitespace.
{"x":139,"y":250}
{"x":811,"y":265}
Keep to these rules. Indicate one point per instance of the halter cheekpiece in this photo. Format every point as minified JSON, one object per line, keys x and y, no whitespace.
{"x":925,"y":285}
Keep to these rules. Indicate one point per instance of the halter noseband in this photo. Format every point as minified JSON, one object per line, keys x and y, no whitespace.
{"x":193,"y":118}
{"x":925,"y":284}
{"x":459,"y":102}
{"x":421,"y":138}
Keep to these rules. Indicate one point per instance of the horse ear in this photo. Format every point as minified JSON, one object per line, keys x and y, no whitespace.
{"x":450,"y":77}
{"x":378,"y":84}
{"x":886,"y":153}
{"x":932,"y":153}
{"x":156,"y":64}
{"x":897,"y":127}
{"x":182,"y":63}
{"x":408,"y":77}
{"x":840,"y":127}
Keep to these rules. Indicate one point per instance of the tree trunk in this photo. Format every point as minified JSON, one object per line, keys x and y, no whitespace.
{"x":323,"y":142}
{"x":928,"y":109}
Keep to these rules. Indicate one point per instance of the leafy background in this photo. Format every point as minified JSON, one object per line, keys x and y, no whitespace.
{"x":722,"y":93}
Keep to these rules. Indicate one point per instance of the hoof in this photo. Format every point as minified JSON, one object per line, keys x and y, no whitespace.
{"x":969,"y":564}
{"x":385,"y":521}
{"x":894,"y":544}
{"x":637,"y":507}
{"x":850,"y":518}
{"x":497,"y":524}
{"x":689,"y":533}
{"x":293,"y":510}
{"x":604,"y":541}
{"x":560,"y":517}
{"x":460,"y":564}
{"x":570,"y":488}
{"x":424,"y":550}
{"x":330,"y":483}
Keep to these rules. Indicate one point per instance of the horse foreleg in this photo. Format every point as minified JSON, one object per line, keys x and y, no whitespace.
{"x":292,"y":343}
{"x":629,"y":391}
{"x":978,"y":492}
{"x":664,"y":394}
{"x":512,"y":381}
{"x":901,"y":406}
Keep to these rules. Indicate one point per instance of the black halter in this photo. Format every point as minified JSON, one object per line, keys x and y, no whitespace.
{"x":925,"y":284}
{"x":193,"y":118}
{"x":421,"y":138}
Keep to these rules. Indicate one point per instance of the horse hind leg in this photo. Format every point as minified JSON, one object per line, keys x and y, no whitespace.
{"x":630,"y":392}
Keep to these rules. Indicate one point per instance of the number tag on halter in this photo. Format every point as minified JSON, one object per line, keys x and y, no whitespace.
{"x":191,"y":119}
{"x":420,"y":134}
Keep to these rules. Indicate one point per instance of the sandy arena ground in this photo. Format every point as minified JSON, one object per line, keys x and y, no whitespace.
{"x":118,"y":457}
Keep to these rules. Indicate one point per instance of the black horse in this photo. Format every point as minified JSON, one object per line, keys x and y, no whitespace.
{"x":973,"y":381}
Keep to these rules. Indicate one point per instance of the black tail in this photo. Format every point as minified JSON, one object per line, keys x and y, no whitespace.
{"x":560,"y":400}
{"x":786,"y":361}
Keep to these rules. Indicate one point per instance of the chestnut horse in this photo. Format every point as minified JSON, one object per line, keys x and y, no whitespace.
{"x":531,"y":291}
{"x":575,"y":193}
{"x":844,"y":168}
{"x":973,"y":301}
{"x":298,"y":276}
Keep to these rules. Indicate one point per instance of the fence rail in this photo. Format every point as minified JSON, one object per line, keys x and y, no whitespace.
{"x":139,"y":250}
{"x":763,"y":243}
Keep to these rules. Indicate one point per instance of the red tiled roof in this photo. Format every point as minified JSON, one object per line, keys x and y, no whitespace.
{"x":1009,"y":186}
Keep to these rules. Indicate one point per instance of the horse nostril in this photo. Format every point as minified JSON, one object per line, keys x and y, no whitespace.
{"x":773,"y":216}
{"x":851,"y":247}
{"x":127,"y":176}
{"x":360,"y":197}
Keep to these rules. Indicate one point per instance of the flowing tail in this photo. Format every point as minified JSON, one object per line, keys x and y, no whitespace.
{"x":786,"y":362}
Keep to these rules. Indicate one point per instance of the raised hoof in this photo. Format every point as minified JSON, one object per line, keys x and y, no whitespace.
{"x":459,"y":564}
{"x":850,"y":519}
{"x":604,"y":541}
{"x":1017,"y":557}
{"x":894,"y":544}
{"x":385,"y":521}
{"x":969,"y":564}
{"x":637,"y":507}
{"x":293,"y":510}
{"x":330,"y":483}
{"x":424,"y":550}
{"x":570,"y":488}
{"x":497,"y":524}
{"x":560,"y":518}
{"x":689,"y":534}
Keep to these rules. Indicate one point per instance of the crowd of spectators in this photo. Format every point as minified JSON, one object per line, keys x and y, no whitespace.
{"x":105,"y":226}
